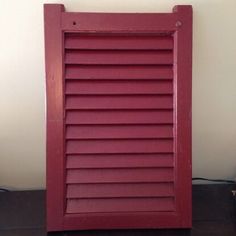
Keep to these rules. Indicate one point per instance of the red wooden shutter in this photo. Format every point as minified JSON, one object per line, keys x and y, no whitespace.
{"x":118,"y":119}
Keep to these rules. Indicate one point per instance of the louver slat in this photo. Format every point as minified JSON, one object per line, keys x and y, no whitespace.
{"x":119,"y":102}
{"x":125,"y":175}
{"x":118,"y":57}
{"x":118,"y":131}
{"x":121,"y":72}
{"x":119,"y":146}
{"x":118,"y":119}
{"x":120,"y":205}
{"x":92,"y":42}
{"x":118,"y":87}
{"x":120,"y":160}
{"x":120,"y":190}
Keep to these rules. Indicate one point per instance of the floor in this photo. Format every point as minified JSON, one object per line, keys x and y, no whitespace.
{"x":214,"y":213}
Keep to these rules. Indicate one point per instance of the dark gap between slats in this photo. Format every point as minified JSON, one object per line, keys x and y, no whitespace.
{"x":116,"y":168}
{"x":123,"y":153}
{"x":121,"y":124}
{"x":126,"y":50}
{"x":117,"y":197}
{"x":128,"y":182}
{"x":118,"y":80}
{"x":120,"y":109}
{"x":121,"y":96}
{"x":81,"y":64}
{"x":121,"y":139}
{"x":140,"y":182}
{"x":143,"y":66}
{"x":119,"y":34}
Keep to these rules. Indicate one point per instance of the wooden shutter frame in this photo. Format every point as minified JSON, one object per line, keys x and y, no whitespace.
{"x":178,"y":23}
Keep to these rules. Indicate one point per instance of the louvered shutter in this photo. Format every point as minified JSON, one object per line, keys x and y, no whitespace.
{"x":118,"y":119}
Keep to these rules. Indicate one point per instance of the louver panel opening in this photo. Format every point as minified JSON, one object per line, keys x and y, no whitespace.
{"x":119,"y":123}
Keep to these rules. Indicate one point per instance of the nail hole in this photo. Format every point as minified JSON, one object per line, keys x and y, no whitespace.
{"x":74,"y":23}
{"x":178,"y":23}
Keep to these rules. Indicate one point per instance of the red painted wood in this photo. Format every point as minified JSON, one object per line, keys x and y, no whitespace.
{"x":118,"y":131}
{"x":120,"y":175}
{"x":120,"y":220}
{"x":183,"y":103}
{"x":120,"y":205}
{"x":119,"y":102}
{"x":119,"y":87}
{"x":119,"y":22}
{"x":127,"y":57}
{"x":122,"y":72}
{"x":119,"y":146}
{"x":118,"y":42}
{"x":118,"y":119}
{"x":120,"y":160}
{"x":54,"y":115}
{"x":120,"y":190}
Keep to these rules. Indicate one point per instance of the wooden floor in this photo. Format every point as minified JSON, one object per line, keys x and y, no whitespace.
{"x":214,"y":213}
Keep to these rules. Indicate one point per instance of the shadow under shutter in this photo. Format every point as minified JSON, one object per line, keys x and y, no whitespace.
{"x":118,"y":119}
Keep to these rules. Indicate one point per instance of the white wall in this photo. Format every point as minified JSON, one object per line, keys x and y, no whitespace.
{"x":22,"y":83}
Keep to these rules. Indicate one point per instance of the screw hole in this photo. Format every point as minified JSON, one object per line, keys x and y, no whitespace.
{"x":74,"y":23}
